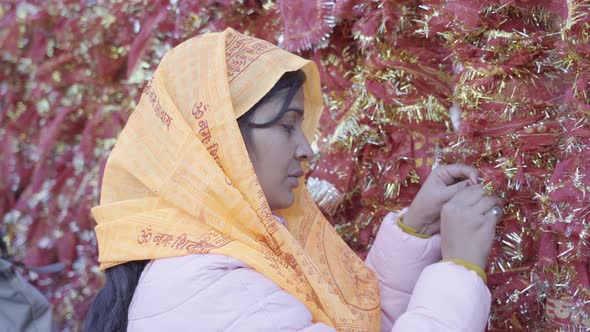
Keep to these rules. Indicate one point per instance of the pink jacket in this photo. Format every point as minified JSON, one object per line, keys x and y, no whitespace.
{"x":220,"y":293}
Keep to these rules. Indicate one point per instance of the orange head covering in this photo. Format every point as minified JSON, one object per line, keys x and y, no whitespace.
{"x":179,"y":181}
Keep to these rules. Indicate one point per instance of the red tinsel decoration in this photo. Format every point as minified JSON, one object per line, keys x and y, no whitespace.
{"x":501,"y":84}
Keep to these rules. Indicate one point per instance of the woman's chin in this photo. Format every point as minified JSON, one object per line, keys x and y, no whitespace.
{"x":284,"y":202}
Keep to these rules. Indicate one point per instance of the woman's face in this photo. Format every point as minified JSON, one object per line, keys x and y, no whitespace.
{"x":277,"y":151}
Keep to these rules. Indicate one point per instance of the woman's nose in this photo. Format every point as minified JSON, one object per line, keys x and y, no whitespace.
{"x":304,"y":152}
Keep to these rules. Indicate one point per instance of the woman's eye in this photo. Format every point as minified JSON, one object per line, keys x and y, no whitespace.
{"x":288,"y":128}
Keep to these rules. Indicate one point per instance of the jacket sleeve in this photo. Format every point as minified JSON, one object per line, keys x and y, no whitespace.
{"x":447,"y":297}
{"x":398,"y":259}
{"x":22,"y":306}
{"x":214,"y":293}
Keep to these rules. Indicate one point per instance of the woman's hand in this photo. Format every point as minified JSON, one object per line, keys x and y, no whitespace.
{"x":468,"y":225}
{"x":443,"y":183}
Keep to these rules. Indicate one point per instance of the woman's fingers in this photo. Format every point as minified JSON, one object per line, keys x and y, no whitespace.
{"x":494,"y":214}
{"x":486,"y":203}
{"x":469,"y":196}
{"x":450,"y":174}
{"x":452,"y":190}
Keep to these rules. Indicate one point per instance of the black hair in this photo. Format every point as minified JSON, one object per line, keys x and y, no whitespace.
{"x":109,"y":310}
{"x":290,"y":81}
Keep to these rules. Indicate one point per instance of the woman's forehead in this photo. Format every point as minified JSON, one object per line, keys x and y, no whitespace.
{"x":298,"y":101}
{"x":272,"y":107}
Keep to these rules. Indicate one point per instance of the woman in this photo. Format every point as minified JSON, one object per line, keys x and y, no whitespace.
{"x":205,"y":183}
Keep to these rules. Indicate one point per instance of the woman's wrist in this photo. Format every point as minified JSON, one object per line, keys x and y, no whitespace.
{"x":409,"y":229}
{"x":470,"y":266}
{"x":414,"y":223}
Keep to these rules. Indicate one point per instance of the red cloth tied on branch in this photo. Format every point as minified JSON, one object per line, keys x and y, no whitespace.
{"x":306,"y":22}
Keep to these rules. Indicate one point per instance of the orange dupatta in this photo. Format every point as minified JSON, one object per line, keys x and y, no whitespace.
{"x":179,"y":181}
